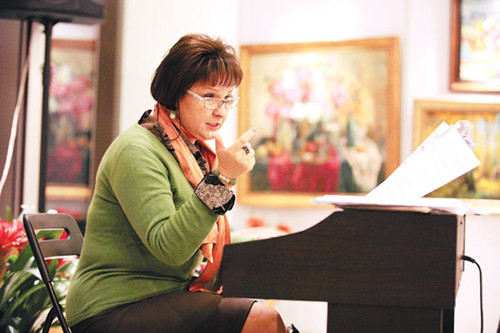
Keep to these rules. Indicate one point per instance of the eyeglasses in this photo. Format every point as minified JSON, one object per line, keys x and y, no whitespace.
{"x":215,"y":103}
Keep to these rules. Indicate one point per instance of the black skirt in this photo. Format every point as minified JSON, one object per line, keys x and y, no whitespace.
{"x":182,"y":311}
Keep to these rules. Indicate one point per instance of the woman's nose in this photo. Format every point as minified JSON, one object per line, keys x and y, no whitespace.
{"x":221,"y":111}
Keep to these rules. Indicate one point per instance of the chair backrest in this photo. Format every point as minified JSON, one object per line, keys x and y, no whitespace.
{"x":57,"y":248}
{"x":52,"y":248}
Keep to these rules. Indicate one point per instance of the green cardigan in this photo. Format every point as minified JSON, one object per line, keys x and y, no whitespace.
{"x":144,"y":228}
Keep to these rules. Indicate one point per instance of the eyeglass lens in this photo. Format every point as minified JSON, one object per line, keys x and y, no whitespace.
{"x":215,"y":103}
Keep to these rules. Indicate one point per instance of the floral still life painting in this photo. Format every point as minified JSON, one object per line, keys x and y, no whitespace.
{"x":72,"y":100}
{"x":324,"y":116}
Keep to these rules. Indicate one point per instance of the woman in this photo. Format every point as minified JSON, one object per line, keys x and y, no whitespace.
{"x":158,"y":209}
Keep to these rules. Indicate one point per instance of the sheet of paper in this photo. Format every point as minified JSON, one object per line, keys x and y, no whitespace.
{"x":441,"y":158}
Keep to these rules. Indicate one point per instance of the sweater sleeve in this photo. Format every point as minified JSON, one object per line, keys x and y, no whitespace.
{"x":171,"y":223}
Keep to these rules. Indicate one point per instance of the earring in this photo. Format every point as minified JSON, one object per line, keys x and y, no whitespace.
{"x":172,"y":114}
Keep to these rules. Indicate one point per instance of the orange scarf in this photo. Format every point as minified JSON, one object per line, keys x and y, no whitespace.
{"x":213,"y":245}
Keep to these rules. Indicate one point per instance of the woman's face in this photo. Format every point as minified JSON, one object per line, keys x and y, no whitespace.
{"x":200,"y":122}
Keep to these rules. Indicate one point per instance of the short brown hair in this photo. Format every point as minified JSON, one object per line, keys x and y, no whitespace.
{"x":194,"y":58}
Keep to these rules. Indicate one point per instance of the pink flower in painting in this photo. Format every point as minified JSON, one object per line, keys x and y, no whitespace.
{"x":83,"y":103}
{"x":284,"y":111}
{"x":318,"y":96}
{"x":272,"y":109}
{"x":303,"y":74}
{"x":66,"y":105}
{"x":58,"y":90}
{"x":294,"y":94}
{"x":339,"y":96}
{"x":67,"y":165}
{"x":306,"y":92}
{"x":276,"y":89}
{"x":80,"y":84}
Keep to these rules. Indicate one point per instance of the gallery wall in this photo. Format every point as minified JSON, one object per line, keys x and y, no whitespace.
{"x":423,"y":28}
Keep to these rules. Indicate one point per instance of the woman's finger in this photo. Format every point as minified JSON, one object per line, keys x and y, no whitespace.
{"x":243,"y":140}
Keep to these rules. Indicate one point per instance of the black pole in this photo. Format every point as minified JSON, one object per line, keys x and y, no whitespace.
{"x":22,"y":129}
{"x":48,"y":24}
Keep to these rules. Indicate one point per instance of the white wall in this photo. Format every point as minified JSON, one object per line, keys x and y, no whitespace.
{"x":34,"y":116}
{"x":481,"y":243}
{"x":423,"y":27}
{"x":150,"y":28}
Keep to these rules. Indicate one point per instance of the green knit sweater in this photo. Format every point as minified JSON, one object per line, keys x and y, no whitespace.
{"x":144,"y":229}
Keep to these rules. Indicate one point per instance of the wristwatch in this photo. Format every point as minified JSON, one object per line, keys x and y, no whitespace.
{"x":223,"y":178}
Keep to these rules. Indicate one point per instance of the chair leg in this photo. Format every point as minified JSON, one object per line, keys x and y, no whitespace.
{"x":57,"y":308}
{"x":48,"y":320}
{"x":64,"y":326}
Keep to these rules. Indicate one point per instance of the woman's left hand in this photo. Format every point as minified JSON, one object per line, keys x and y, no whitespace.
{"x":237,"y":159}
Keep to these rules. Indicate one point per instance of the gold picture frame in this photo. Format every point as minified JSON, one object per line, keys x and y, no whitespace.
{"x":481,"y":186}
{"x":474,"y":47}
{"x":327,"y":117}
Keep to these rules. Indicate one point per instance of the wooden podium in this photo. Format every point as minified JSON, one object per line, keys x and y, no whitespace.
{"x":379,"y":271}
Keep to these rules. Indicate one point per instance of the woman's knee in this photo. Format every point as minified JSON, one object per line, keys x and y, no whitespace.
{"x":263,"y":318}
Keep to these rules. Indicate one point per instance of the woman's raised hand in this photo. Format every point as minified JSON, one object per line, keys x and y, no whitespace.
{"x":238,"y":158}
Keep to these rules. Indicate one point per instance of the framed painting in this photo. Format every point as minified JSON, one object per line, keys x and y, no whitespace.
{"x":483,"y":182}
{"x":71,"y":115}
{"x":327,"y":118}
{"x":475,"y":45}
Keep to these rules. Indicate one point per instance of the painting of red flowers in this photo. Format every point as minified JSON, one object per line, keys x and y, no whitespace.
{"x":327,"y":118}
{"x":72,"y":103}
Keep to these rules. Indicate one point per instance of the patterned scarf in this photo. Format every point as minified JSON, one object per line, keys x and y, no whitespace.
{"x":193,"y":160}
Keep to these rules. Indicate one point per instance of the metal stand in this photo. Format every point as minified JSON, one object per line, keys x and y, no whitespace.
{"x":48,"y":24}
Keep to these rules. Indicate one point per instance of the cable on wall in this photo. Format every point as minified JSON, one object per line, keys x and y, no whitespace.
{"x":15,"y":122}
{"x":472,"y":260}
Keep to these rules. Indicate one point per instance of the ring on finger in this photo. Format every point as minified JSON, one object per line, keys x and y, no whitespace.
{"x":246,"y":149}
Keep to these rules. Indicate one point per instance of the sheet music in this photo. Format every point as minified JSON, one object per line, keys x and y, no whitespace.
{"x":445,"y":155}
{"x":441,"y":158}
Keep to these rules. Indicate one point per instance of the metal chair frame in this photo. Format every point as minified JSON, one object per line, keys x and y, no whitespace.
{"x":52,"y":248}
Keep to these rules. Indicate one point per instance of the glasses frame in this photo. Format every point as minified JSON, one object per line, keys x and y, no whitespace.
{"x":221,"y":101}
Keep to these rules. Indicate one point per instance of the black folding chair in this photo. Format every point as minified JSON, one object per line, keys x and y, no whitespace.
{"x":52,"y":248}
